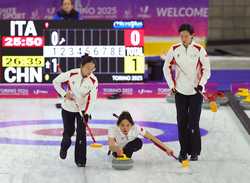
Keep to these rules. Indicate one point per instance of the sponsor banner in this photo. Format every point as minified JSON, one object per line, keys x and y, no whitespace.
{"x":129,"y":90}
{"x":27,"y":91}
{"x":134,"y":90}
{"x":161,"y":18}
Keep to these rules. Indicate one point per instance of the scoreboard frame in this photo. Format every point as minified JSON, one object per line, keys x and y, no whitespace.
{"x":37,"y":46}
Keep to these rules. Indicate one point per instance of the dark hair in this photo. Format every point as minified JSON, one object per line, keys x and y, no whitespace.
{"x":87,"y":59}
{"x":72,"y":2}
{"x":125,"y":115}
{"x":186,"y":27}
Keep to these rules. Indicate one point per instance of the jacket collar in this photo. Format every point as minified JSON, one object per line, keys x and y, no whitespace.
{"x":191,"y":44}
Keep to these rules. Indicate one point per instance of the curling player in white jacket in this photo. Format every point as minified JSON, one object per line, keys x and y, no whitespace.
{"x":81,"y":93}
{"x":186,"y":70}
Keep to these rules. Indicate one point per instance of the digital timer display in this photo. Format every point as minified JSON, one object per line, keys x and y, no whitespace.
{"x":22,"y":41}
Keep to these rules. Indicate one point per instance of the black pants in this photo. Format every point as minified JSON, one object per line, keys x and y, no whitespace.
{"x":131,"y":147}
{"x":68,"y":132}
{"x":188,"y":116}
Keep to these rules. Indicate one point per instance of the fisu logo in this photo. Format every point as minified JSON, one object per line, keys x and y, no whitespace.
{"x":144,"y":10}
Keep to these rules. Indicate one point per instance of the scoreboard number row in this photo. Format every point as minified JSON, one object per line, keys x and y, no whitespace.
{"x":78,"y":51}
{"x":132,"y":37}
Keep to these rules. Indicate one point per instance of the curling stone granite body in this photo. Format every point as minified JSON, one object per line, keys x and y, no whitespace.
{"x":122,"y":164}
{"x":241,"y":95}
{"x":245,"y":105}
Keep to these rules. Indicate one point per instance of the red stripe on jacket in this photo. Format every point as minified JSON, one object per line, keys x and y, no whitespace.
{"x":176,"y":46}
{"x":93,"y":80}
{"x":200,"y":70}
{"x":197,"y":46}
{"x":171,"y":70}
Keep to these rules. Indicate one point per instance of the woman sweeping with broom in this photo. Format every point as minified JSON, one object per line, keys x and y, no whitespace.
{"x":82,"y":86}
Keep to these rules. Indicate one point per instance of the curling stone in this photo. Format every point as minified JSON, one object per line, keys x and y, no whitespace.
{"x":185,"y":163}
{"x":245,"y":103}
{"x":242,"y":89}
{"x":242,"y":94}
{"x":171,"y":98}
{"x":213,"y":106}
{"x":221,"y":99}
{"x":122,"y":163}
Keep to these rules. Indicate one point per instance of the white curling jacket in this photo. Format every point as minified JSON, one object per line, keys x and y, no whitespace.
{"x":83,"y":89}
{"x":186,"y":68}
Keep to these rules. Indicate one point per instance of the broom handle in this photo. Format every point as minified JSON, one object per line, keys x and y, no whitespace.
{"x":85,"y":123}
{"x":163,"y":149}
{"x":90,"y":132}
{"x":204,"y":96}
{"x":115,"y":115}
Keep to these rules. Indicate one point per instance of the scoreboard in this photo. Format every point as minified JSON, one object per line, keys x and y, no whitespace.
{"x":37,"y":51}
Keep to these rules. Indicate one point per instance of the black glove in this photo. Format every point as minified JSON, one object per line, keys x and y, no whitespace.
{"x":87,"y":117}
{"x":198,"y":89}
{"x":174,"y":91}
